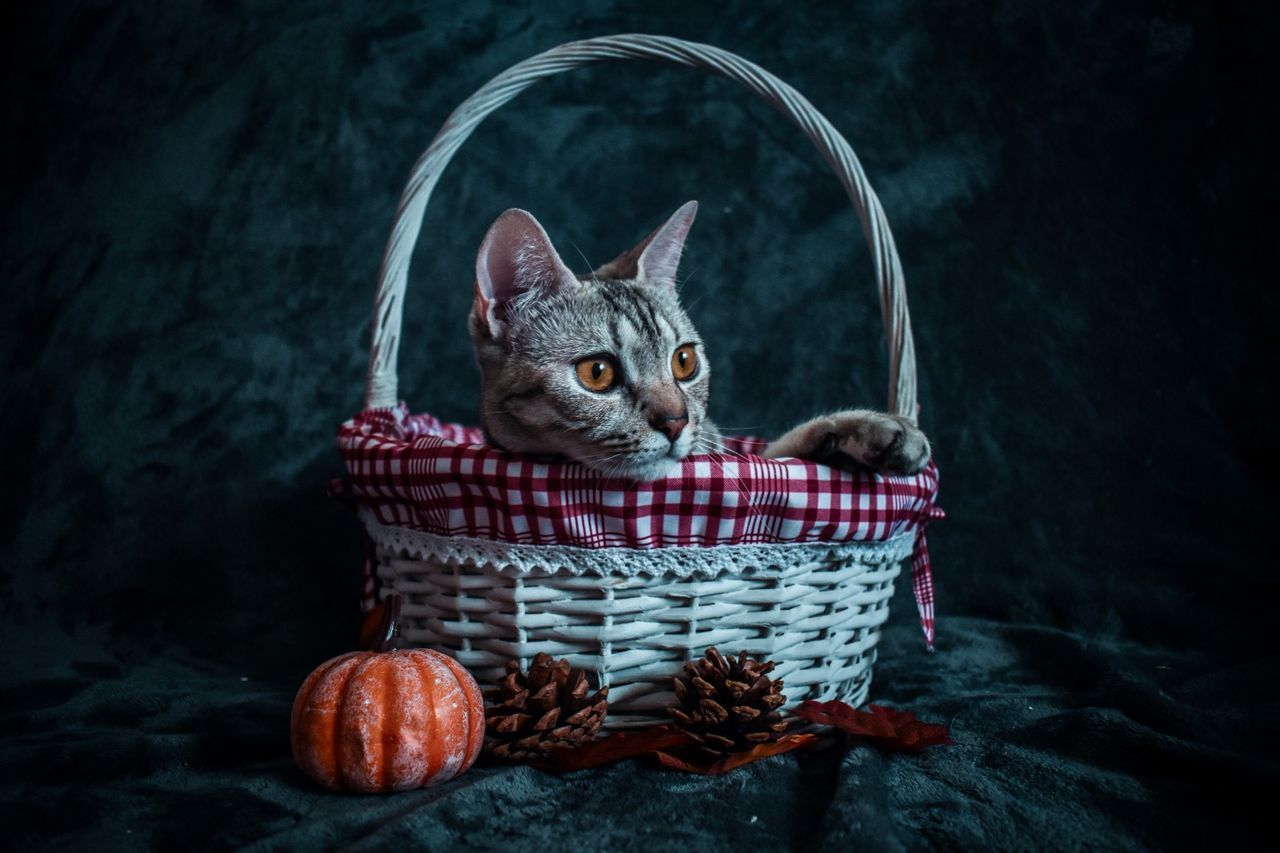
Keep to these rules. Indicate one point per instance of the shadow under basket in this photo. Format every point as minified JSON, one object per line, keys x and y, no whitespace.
{"x":500,"y":556}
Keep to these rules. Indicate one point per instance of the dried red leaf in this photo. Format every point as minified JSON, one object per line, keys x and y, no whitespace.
{"x":669,"y":745}
{"x":616,"y":747}
{"x":736,"y":759}
{"x":889,"y":728}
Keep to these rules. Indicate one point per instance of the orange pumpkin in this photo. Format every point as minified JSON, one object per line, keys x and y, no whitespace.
{"x":387,"y":720}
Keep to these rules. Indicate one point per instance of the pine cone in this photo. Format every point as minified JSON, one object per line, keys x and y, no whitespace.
{"x":549,"y":708}
{"x":728,"y":705}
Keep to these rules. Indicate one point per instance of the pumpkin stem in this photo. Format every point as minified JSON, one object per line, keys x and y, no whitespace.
{"x":390,"y":620}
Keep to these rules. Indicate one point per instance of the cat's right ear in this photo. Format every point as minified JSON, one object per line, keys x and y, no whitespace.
{"x":516,"y":261}
{"x":657,"y":256}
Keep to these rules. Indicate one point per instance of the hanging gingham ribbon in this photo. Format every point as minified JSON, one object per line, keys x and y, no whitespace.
{"x":922,"y":575}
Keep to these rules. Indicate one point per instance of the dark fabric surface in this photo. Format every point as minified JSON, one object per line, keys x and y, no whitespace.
{"x":1062,"y":742}
{"x":196,"y":199}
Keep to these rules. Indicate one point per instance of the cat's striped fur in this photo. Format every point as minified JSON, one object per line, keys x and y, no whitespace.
{"x":533,"y":321}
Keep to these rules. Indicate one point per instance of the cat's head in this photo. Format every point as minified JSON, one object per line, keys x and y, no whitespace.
{"x":604,"y":368}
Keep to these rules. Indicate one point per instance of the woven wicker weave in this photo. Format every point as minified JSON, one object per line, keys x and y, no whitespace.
{"x":634,"y":616}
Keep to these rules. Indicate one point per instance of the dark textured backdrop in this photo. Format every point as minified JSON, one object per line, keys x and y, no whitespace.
{"x":196,"y":199}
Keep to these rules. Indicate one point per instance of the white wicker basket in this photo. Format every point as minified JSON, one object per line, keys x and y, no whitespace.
{"x":634,"y":616}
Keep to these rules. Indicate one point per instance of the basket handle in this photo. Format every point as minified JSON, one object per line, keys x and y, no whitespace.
{"x":381,"y":389}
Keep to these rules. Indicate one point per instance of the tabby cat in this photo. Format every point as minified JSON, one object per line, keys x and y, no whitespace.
{"x":606,"y":368}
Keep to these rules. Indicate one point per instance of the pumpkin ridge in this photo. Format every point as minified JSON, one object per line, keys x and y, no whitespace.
{"x":357,"y":674}
{"x":466,"y":707}
{"x":338,"y":715}
{"x":423,"y":663}
{"x":472,"y":699}
{"x":338,"y":674}
{"x":454,"y":761}
{"x":415,"y":669}
{"x":390,"y":719}
{"x":303,"y":698}
{"x":457,"y":760}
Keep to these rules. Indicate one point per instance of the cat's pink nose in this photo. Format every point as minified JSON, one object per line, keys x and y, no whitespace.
{"x":672,"y":426}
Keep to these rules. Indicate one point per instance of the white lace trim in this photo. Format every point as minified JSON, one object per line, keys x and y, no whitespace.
{"x":684,"y":562}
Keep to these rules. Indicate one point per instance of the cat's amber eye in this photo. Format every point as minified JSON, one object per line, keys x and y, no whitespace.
{"x":596,"y":373}
{"x":684,"y":363}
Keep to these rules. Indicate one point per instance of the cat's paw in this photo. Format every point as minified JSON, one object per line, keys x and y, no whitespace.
{"x":886,"y":443}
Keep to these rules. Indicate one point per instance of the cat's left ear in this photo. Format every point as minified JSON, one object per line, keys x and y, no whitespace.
{"x":516,"y":261}
{"x":657,"y":256}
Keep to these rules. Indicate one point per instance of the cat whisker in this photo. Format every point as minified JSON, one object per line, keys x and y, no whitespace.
{"x":601,"y":457}
{"x":610,"y":471}
{"x":590,"y":266}
{"x":737,"y":481}
{"x":690,"y":306}
{"x":689,"y":275}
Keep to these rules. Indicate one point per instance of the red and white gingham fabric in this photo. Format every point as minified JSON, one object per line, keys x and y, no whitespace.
{"x":417,"y":472}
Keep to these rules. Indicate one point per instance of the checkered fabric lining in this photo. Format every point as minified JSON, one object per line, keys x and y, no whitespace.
{"x":418,"y":472}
